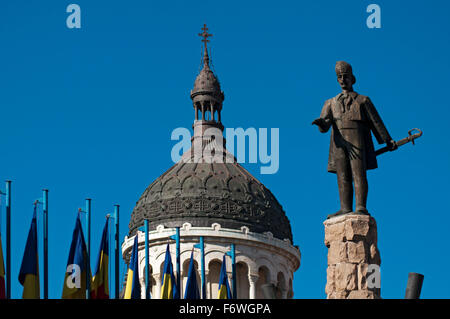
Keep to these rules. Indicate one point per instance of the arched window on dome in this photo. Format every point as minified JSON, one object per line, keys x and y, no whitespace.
{"x":213,"y":278}
{"x":243,"y":285}
{"x":152,"y":282}
{"x":264,"y":275}
{"x":281,"y":286}
{"x":290,"y":293}
{"x":196,"y":110}
{"x":208,"y":115}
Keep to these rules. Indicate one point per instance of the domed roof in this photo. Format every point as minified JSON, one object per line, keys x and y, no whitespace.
{"x":207,"y":193}
{"x":206,"y":82}
{"x":207,"y":185}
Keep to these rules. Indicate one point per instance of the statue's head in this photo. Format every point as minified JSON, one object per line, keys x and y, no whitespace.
{"x":345,"y":75}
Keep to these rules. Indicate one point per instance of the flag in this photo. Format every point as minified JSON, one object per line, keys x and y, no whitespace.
{"x":2,"y":273}
{"x":191,"y":291}
{"x":133,"y":287}
{"x":29,"y":270}
{"x":224,"y":287}
{"x":100,"y":282}
{"x":169,"y":288}
{"x":77,"y":266}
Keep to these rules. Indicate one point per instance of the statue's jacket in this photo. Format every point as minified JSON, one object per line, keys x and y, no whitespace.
{"x":351,"y":126}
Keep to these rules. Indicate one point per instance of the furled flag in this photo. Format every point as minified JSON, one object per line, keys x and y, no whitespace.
{"x":2,"y":273}
{"x":191,"y":291}
{"x":29,"y":270}
{"x":133,"y":287}
{"x":100,"y":282}
{"x":224,"y":287}
{"x":169,"y":289}
{"x":77,"y":266}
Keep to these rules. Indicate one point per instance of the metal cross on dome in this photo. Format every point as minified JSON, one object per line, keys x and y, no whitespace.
{"x":205,"y":35}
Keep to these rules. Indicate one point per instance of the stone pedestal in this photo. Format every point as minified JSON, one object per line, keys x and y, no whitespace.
{"x":353,"y":257}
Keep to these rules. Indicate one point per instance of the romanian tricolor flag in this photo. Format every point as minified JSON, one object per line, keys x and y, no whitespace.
{"x":100,"y":286}
{"x":133,"y":287}
{"x":29,"y":270}
{"x":224,"y":287}
{"x":191,"y":291}
{"x":77,"y":266}
{"x":2,"y":273}
{"x":168,"y":284}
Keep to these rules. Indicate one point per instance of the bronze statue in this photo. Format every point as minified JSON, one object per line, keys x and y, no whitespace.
{"x":353,"y":117}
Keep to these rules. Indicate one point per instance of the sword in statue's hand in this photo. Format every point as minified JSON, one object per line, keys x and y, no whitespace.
{"x":393,"y":146}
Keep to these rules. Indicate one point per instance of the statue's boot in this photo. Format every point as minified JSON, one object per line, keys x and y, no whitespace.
{"x":361,"y":190}
{"x":361,"y":210}
{"x":345,"y":197}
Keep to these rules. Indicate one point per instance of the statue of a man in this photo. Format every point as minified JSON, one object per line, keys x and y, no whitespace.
{"x":352,"y":117}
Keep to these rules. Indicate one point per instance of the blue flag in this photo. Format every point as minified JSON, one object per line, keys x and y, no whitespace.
{"x":133,"y":287}
{"x":78,"y":268}
{"x":191,"y":291}
{"x":224,"y":287}
{"x":169,"y":289}
{"x":29,"y":270}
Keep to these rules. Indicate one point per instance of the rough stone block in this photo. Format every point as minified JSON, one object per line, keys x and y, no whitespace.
{"x":337,"y":252}
{"x":362,"y":294}
{"x":356,"y":227}
{"x":374,"y":255}
{"x":345,"y":276}
{"x":338,"y":295}
{"x":330,"y":287}
{"x":334,"y":232}
{"x":357,"y":252}
{"x":362,"y":275}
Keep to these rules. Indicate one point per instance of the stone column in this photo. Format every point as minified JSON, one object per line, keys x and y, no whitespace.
{"x":353,"y":257}
{"x":284,"y":293}
{"x":252,"y":279}
{"x":157,"y":293}
{"x":208,"y":283}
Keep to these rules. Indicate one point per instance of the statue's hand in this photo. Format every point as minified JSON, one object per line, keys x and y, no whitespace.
{"x":392,"y":145}
{"x":319,"y":122}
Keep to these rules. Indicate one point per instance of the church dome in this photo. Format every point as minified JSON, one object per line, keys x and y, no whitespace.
{"x":207,"y":85}
{"x":206,"y":191}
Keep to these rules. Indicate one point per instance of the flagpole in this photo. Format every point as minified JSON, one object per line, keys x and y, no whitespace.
{"x":202,"y":254}
{"x":201,"y":246}
{"x":233,"y":270}
{"x":178,"y":261}
{"x":177,"y":258}
{"x":45,"y":211}
{"x":147,"y":265}
{"x":8,"y":239}
{"x":116,"y":251}
{"x":88,"y":259}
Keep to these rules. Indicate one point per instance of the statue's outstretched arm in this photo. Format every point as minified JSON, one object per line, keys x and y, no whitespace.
{"x":324,"y":121}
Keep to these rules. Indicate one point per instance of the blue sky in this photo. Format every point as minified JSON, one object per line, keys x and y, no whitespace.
{"x":89,"y":113}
